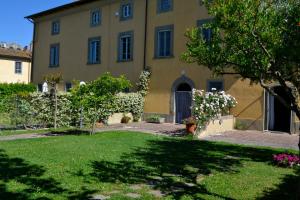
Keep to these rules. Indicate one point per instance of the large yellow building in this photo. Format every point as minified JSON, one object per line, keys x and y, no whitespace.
{"x":15,"y":65}
{"x":86,"y":38}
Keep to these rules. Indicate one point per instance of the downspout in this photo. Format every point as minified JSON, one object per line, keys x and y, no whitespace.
{"x":33,"y":48}
{"x":145,"y":36}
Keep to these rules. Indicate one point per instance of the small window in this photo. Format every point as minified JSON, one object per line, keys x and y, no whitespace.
{"x":125,"y":46}
{"x":126,"y":11}
{"x":68,"y":87}
{"x":164,"y":41}
{"x":18,"y":68}
{"x":215,"y":85}
{"x":55,"y":27}
{"x":94,"y":50}
{"x":95,"y":18}
{"x":54,"y":55}
{"x":206,"y":32}
{"x":164,"y":5}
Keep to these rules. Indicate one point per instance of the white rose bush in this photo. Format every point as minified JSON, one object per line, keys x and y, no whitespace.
{"x":209,"y":106}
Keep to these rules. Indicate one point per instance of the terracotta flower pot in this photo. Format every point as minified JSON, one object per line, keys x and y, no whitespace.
{"x":191,"y":128}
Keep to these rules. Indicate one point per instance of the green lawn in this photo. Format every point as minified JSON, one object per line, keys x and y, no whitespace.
{"x":75,"y":167}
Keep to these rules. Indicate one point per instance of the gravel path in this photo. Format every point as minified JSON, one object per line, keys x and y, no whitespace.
{"x":22,"y":136}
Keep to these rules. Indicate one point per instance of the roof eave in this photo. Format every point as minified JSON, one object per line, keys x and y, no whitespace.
{"x":57,"y":9}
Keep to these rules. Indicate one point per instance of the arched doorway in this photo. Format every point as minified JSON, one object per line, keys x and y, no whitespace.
{"x":278,"y":115}
{"x":183,"y":102}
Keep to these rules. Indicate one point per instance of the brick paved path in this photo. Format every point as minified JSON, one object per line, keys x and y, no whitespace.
{"x":257,"y":138}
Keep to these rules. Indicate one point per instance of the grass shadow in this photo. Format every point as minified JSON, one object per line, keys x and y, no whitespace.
{"x":30,"y":176}
{"x":176,"y":166}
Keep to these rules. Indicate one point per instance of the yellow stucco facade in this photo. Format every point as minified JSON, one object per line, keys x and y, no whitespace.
{"x":8,"y":73}
{"x":75,"y":30}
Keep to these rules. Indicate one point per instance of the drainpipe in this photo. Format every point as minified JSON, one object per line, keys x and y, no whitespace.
{"x":145,"y":36}
{"x":33,"y":44}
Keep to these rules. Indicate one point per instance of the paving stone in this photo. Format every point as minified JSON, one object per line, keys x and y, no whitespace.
{"x":200,"y":178}
{"x":156,"y":193}
{"x":190,"y":184}
{"x":133,"y":195}
{"x":137,"y":187}
{"x":99,"y":197}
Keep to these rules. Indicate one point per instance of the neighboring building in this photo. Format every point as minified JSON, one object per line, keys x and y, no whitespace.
{"x":15,"y":65}
{"x":84,"y":39}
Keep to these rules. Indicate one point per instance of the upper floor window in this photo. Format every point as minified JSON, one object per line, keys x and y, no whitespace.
{"x":215,"y":85}
{"x":54,"y":55}
{"x":94,"y":50}
{"x":126,"y":11}
{"x":164,"y":41}
{"x":125,"y":46}
{"x":55,"y":28}
{"x":206,"y":32}
{"x":18,"y":68}
{"x":164,"y":5}
{"x":95,"y":18}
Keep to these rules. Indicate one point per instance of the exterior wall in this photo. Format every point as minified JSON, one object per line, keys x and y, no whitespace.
{"x":7,"y":72}
{"x":75,"y":30}
{"x":166,"y":71}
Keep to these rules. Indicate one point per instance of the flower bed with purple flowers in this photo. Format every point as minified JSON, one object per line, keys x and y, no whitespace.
{"x":286,"y":160}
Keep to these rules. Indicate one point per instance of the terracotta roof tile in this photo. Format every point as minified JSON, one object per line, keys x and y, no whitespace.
{"x":15,"y":54}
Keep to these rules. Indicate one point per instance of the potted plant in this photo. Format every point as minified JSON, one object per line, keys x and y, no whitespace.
{"x":125,"y":119}
{"x":155,"y":119}
{"x":190,"y":125}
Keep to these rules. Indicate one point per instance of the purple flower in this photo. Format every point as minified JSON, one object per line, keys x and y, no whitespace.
{"x":285,"y":159}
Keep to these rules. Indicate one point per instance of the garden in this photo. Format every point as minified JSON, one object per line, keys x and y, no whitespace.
{"x":127,"y":165}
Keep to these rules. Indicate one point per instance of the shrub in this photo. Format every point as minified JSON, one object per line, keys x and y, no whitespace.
{"x":130,"y":103}
{"x":144,"y":81}
{"x":153,"y":119}
{"x":286,"y":160}
{"x":210,"y":106}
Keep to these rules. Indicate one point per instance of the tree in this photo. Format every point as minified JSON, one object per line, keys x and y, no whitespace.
{"x":256,"y":39}
{"x":53,"y":80}
{"x":98,"y":97}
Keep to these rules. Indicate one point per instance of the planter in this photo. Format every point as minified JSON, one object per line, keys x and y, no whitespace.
{"x":190,"y":128}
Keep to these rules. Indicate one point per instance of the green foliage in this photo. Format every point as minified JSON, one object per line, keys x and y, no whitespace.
{"x":130,"y":103}
{"x":97,"y":98}
{"x":259,"y":40}
{"x":144,"y":81}
{"x":8,"y":89}
{"x":153,"y":119}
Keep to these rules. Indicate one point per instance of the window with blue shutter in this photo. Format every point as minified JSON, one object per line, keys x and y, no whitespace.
{"x":54,"y":55}
{"x":164,"y":41}
{"x":55,"y":28}
{"x":95,"y":18}
{"x":164,"y":5}
{"x":125,"y":51}
{"x":215,"y":85}
{"x":94,"y":50}
{"x":206,"y":32}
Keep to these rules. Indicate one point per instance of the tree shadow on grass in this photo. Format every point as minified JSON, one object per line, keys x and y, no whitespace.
{"x":177,"y":166}
{"x":30,"y":177}
{"x":289,"y":188}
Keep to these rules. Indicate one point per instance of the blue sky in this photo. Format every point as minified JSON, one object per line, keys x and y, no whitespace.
{"x":14,"y":28}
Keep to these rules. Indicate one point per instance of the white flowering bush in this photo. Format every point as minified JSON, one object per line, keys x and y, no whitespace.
{"x":130,"y":103}
{"x":209,"y":106}
{"x":144,"y":80}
